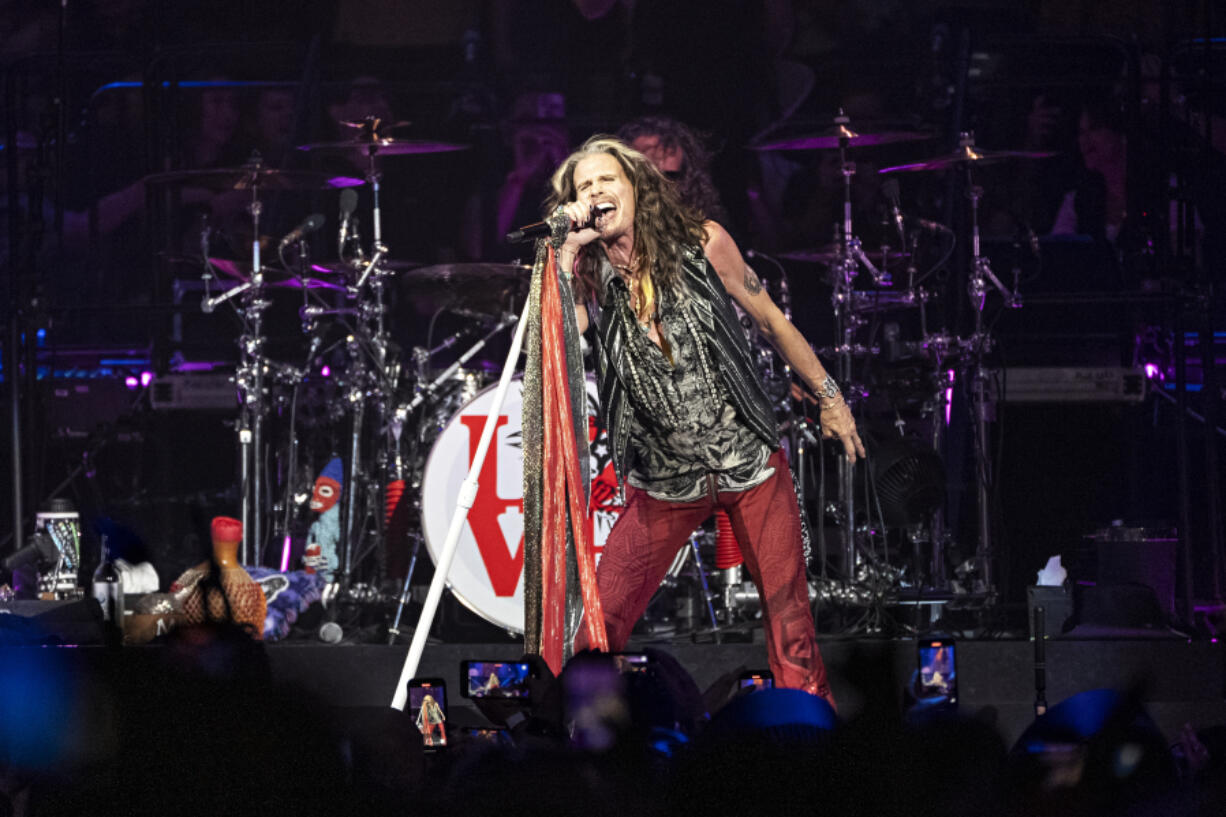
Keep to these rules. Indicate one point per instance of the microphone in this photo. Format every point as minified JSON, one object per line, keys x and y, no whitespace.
{"x":349,"y":203}
{"x":542,"y":229}
{"x":889,"y":189}
{"x":42,"y":549}
{"x":309,"y":225}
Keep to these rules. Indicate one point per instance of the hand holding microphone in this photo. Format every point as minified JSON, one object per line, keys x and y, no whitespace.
{"x":581,"y":216}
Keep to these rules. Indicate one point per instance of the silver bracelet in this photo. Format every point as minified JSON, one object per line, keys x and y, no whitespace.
{"x":828,"y":389}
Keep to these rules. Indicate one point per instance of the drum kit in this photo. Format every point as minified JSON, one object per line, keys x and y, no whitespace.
{"x":411,"y":423}
{"x":904,"y":486}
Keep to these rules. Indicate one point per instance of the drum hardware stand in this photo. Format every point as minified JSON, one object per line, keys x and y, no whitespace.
{"x":852,"y":258}
{"x":425,"y":392}
{"x":980,"y":344}
{"x":393,"y":632}
{"x":249,"y":377}
{"x":372,"y":376}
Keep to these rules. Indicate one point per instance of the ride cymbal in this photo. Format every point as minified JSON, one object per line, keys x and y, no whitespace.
{"x":968,"y":154}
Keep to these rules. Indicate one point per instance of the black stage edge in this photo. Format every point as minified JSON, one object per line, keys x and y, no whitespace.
{"x":1183,"y":681}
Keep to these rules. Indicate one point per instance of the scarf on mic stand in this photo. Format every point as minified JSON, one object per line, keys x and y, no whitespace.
{"x":559,"y":565}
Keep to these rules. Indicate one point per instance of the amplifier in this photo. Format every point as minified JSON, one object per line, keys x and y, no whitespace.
{"x":194,"y":390}
{"x":1067,"y":384}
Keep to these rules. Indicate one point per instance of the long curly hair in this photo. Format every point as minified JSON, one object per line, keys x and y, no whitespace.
{"x":663,"y":225}
{"x":693,"y":180}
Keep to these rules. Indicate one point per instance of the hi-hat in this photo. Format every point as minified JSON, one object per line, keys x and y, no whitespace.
{"x":968,"y":154}
{"x":245,"y":178}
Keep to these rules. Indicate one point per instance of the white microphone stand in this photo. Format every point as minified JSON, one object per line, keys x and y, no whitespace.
{"x":464,"y":503}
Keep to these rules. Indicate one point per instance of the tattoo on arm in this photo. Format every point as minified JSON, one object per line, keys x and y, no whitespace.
{"x":752,"y":285}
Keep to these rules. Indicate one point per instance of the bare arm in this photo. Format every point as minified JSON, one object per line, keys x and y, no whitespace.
{"x":566,"y":265}
{"x":743,"y":285}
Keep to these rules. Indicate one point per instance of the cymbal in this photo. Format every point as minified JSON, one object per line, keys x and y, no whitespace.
{"x":832,"y":253}
{"x":470,"y":274}
{"x":872,"y":135}
{"x":230,"y":271}
{"x":246,"y":178}
{"x":967,"y":154}
{"x":472,"y":288}
{"x":337,"y":268}
{"x":305,"y":283}
{"x":384,"y":146}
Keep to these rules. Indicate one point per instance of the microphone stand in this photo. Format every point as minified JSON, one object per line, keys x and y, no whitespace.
{"x":464,"y":503}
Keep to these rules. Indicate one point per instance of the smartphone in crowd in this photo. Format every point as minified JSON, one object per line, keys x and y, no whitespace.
{"x":495,"y":679}
{"x":753,"y":680}
{"x":428,"y":709}
{"x":630,"y":661}
{"x":493,"y":735}
{"x":938,"y":671}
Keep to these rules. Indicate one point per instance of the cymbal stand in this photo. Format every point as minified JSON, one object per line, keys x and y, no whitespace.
{"x":980,"y":344}
{"x":851,"y":259}
{"x":371,"y":379}
{"x":249,"y":377}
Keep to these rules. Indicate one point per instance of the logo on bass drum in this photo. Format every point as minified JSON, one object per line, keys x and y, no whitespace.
{"x":487,"y":574}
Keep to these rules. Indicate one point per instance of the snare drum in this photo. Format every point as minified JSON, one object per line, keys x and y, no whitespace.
{"x":487,"y":572}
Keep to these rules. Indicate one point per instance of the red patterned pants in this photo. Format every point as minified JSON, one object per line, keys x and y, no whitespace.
{"x":645,"y":540}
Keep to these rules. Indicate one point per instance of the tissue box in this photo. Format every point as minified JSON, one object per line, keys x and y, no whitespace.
{"x":1057,"y":604}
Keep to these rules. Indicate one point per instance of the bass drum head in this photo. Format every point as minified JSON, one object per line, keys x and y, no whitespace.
{"x":486,"y":575}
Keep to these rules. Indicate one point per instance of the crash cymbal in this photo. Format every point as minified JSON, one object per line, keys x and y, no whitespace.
{"x":832,"y":253}
{"x":383,"y":146}
{"x":245,"y":178}
{"x":968,"y":154}
{"x":871,"y":135}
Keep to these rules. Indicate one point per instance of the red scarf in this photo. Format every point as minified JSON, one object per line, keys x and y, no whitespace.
{"x":562,"y":487}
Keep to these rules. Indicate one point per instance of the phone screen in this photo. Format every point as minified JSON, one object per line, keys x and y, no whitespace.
{"x":496,"y":679}
{"x":428,"y":709}
{"x":938,"y":671}
{"x":493,"y":735}
{"x":630,"y":661}
{"x":761,"y":679}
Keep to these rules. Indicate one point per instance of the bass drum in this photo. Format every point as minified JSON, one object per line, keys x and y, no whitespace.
{"x":487,"y":573}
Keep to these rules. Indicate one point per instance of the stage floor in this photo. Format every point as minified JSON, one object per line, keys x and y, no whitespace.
{"x":1183,"y":681}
